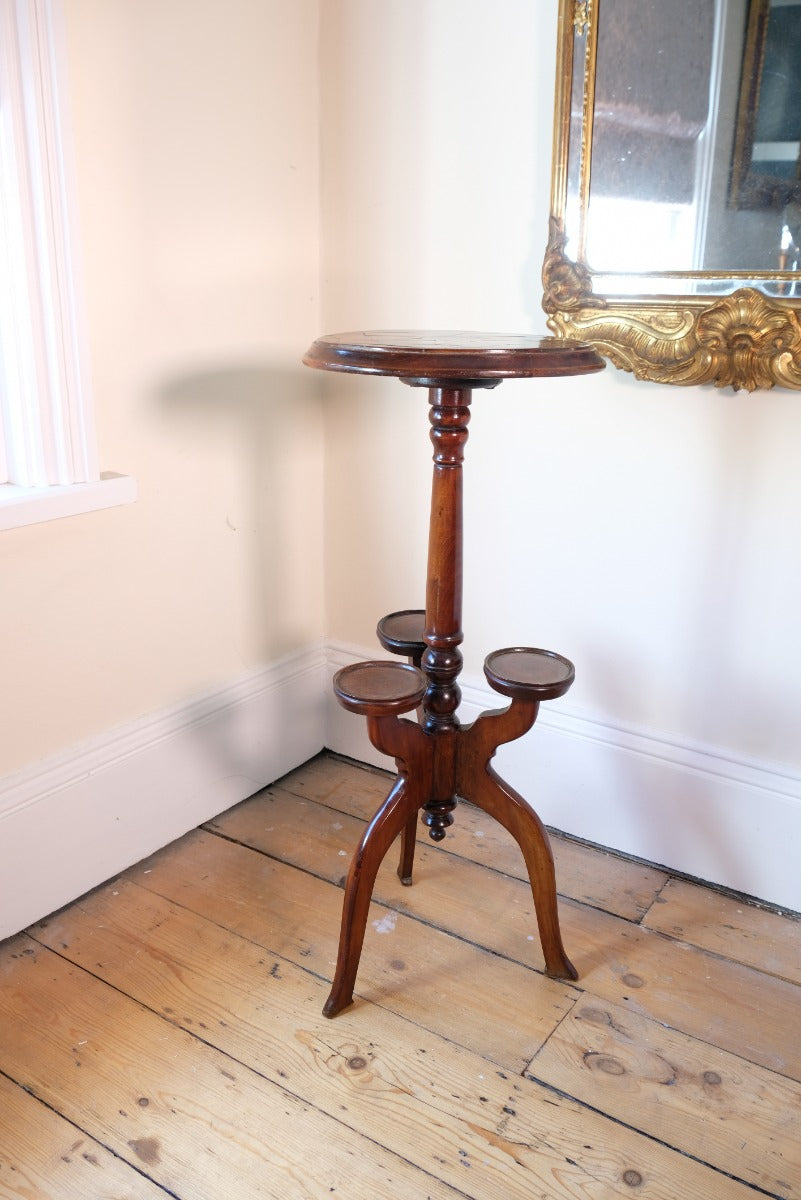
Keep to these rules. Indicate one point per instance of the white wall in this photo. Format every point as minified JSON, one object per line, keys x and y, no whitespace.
{"x":199,"y":220}
{"x":163,"y":660}
{"x":195,"y":124}
{"x":647,"y":532}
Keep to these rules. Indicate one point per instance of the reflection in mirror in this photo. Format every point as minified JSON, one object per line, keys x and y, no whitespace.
{"x":651,"y":137}
{"x":765,"y":168}
{"x":676,"y":182}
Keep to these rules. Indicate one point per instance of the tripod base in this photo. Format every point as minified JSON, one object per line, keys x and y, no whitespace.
{"x":460,"y":758}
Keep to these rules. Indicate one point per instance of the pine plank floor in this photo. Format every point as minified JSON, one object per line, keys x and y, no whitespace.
{"x":163,"y":1035}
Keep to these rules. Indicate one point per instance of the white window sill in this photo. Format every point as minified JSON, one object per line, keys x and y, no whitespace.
{"x":28,"y":505}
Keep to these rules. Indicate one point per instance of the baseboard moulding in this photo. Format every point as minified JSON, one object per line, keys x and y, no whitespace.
{"x":696,"y":810}
{"x":75,"y":820}
{"x":71,"y":822}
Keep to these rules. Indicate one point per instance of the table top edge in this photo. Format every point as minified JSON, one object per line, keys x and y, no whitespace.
{"x":452,"y":355}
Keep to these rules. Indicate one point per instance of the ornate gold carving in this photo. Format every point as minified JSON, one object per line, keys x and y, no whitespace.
{"x":568,"y":285}
{"x":581,"y":16}
{"x":744,"y":340}
{"x":751,"y":341}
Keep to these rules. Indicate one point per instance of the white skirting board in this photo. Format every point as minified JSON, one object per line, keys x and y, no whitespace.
{"x":73,"y":821}
{"x":693,"y":809}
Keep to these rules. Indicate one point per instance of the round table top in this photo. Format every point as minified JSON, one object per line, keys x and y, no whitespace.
{"x":445,"y":355}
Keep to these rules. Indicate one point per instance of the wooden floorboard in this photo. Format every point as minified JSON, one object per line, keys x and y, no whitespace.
{"x":44,"y":1155}
{"x":729,"y":927}
{"x":618,"y":960}
{"x":163,"y":1036}
{"x":615,"y":884}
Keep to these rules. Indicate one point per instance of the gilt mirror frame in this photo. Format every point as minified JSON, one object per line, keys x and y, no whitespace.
{"x":738,"y":329}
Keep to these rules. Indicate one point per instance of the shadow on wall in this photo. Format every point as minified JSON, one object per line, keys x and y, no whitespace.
{"x":256,"y":430}
{"x":270,"y":419}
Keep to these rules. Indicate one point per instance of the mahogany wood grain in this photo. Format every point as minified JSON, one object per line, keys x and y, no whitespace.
{"x":402,"y":633}
{"x":452,"y":355}
{"x":438,"y":761}
{"x":591,"y":875}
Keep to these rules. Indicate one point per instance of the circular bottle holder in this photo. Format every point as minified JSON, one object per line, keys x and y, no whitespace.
{"x":525,"y":673}
{"x":378,"y":689}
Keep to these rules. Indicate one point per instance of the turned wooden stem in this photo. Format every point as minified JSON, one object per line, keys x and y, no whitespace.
{"x":449,"y":415}
{"x":437,"y":759}
{"x":442,"y":660}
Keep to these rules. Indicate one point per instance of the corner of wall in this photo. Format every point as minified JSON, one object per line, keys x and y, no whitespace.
{"x":71,"y":822}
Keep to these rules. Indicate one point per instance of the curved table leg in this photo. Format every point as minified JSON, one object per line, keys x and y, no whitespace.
{"x":408,"y":838}
{"x":394,"y":816}
{"x":409,"y":835}
{"x":499,"y":800}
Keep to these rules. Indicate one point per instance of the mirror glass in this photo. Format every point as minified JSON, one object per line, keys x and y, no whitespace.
{"x":694,"y":153}
{"x":676,"y":190}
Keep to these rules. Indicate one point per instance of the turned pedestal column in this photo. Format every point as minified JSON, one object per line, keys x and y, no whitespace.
{"x":438,"y":759}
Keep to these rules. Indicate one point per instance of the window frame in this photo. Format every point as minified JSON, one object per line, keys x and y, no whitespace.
{"x":48,"y":450}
